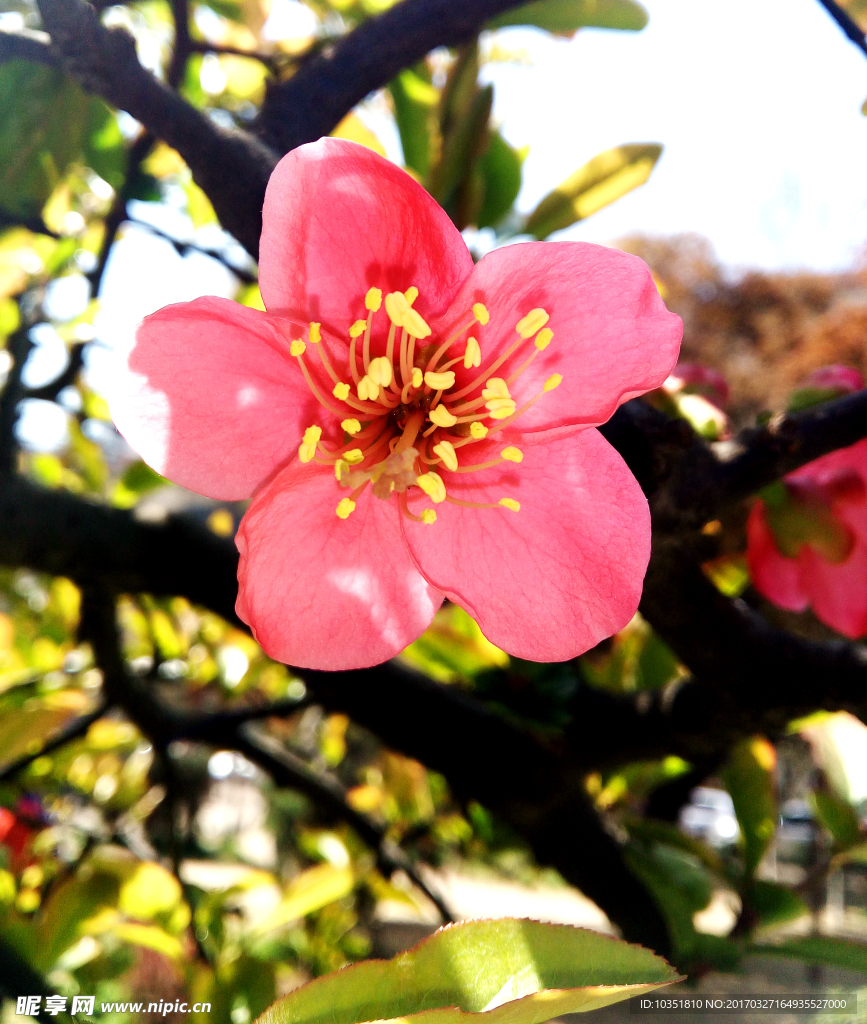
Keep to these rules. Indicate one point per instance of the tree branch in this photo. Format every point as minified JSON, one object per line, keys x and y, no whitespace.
{"x":26,"y":46}
{"x":71,"y":731}
{"x":850,"y":27}
{"x":230,"y":166}
{"x":326,"y":87}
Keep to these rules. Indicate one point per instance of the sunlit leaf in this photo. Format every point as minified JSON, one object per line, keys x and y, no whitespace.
{"x":355,"y":130}
{"x":599,"y":182}
{"x":750,"y":779}
{"x":520,"y":972}
{"x":565,"y":17}
{"x":311,"y":890}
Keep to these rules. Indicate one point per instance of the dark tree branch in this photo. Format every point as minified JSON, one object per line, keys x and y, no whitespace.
{"x":18,"y":346}
{"x":8,"y":219}
{"x":26,"y":46}
{"x":231,"y":167}
{"x":328,"y":86}
{"x":183,"y":46}
{"x":850,"y":27}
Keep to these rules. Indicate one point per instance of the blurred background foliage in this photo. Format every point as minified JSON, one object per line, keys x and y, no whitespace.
{"x":135,"y":873}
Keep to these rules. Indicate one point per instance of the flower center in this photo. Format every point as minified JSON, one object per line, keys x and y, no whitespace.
{"x":404,"y":417}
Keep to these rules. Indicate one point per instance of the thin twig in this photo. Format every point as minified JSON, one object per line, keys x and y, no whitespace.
{"x":71,"y":731}
{"x":183,"y":248}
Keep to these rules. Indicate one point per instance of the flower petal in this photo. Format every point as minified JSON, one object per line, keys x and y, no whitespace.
{"x":838,"y":593}
{"x":776,"y":577}
{"x":210,"y":398}
{"x":613,"y":337}
{"x":323,"y":592}
{"x":550,"y":581}
{"x":338,"y":220}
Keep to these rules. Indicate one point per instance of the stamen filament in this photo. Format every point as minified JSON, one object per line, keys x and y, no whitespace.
{"x":489,"y":371}
{"x":450,"y":340}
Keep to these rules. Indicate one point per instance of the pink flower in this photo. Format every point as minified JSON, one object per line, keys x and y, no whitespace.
{"x":807,"y":540}
{"x":410,"y":427}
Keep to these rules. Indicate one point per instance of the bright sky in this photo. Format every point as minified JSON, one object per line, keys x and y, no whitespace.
{"x":758,"y":104}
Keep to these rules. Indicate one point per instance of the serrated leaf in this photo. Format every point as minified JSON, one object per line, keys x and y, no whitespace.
{"x":601,"y":181}
{"x":565,"y":17}
{"x":515,"y":972}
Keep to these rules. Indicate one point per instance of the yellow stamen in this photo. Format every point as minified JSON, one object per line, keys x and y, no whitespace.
{"x":373,"y":300}
{"x":428,"y":516}
{"x":415,"y":325}
{"x":446,"y":452}
{"x":380,"y":371}
{"x":552,"y":382}
{"x":441,"y":417}
{"x":307,"y":448}
{"x":345,"y":508}
{"x":315,"y":333}
{"x":341,"y":391}
{"x":500,"y":408}
{"x":340,"y":468}
{"x":532,"y":322}
{"x":357,"y":329}
{"x":353,"y":456}
{"x":439,"y":381}
{"x":367,"y":389}
{"x":515,"y":506}
{"x":478,"y":430}
{"x":496,"y":387}
{"x":298,"y":348}
{"x":543,"y":338}
{"x":417,"y":377}
{"x":396,"y":305}
{"x":411,"y":294}
{"x":512,"y":454}
{"x":432,"y":485}
{"x":480,"y":313}
{"x":472,"y":353}
{"x":351,"y":426}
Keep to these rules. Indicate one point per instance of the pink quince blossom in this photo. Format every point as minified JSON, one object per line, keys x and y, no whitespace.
{"x":807,"y":540}
{"x":410,"y":426}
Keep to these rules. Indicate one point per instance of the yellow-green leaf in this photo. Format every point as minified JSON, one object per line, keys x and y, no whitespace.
{"x":750,"y":779}
{"x":515,"y":972}
{"x":565,"y":17}
{"x":599,"y":182}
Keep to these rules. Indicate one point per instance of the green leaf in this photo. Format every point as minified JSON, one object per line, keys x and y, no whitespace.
{"x":500,"y":167}
{"x":45,"y":125}
{"x":775,"y":904}
{"x":839,"y":817}
{"x":750,"y":779}
{"x":520,"y":972}
{"x":599,"y":182}
{"x":564,"y":17}
{"x":312,"y":890}
{"x":104,"y":150}
{"x":414,"y":102}
{"x":821,"y":949}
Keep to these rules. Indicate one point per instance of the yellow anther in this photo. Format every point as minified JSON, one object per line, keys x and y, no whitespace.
{"x":512,"y":454}
{"x":552,"y":382}
{"x":417,"y":377}
{"x":415,"y":325}
{"x":428,"y":516}
{"x":472,"y":354}
{"x":446,"y":451}
{"x":357,"y":329}
{"x":396,"y":305}
{"x":350,"y":426}
{"x":380,"y":371}
{"x":441,"y":417}
{"x":439,"y":381}
{"x":543,"y":338}
{"x":298,"y":348}
{"x":480,"y":313}
{"x":345,"y":508}
{"x":500,"y":408}
{"x":411,"y":294}
{"x":373,"y":300}
{"x":432,"y":485}
{"x":367,"y":389}
{"x":496,"y":387}
{"x":340,"y":468}
{"x":529,"y":324}
{"x":315,"y":334}
{"x":515,"y":506}
{"x":307,"y":448}
{"x":354,"y":456}
{"x":341,"y":391}
{"x":478,"y":430}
